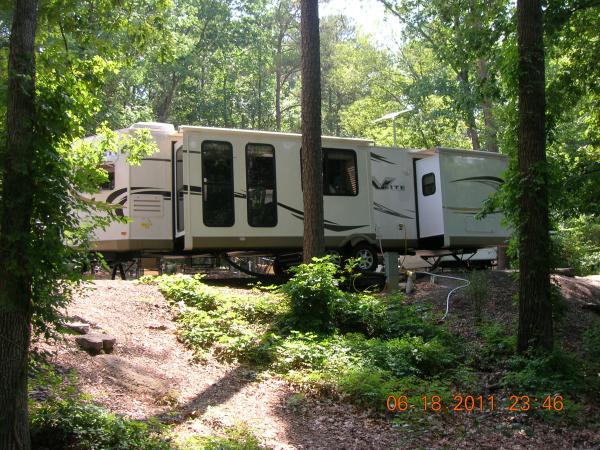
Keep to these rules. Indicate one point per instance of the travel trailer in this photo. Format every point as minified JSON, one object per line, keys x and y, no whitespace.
{"x":213,"y":190}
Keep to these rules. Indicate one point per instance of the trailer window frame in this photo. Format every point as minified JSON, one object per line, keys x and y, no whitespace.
{"x":426,"y":184}
{"x":326,"y":177}
{"x":226,"y":184}
{"x":249,"y":210}
{"x":109,"y":185}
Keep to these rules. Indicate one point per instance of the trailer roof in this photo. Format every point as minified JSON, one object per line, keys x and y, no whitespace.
{"x":270,"y":134}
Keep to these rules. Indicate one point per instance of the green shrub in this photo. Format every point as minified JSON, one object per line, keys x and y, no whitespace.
{"x":366,"y":386}
{"x":477,"y":292}
{"x":552,"y":373}
{"x":578,"y":242}
{"x":300,"y":351}
{"x":189,"y":290}
{"x":312,"y":291}
{"x":591,"y":343}
{"x":361,"y":346}
{"x":360,"y":313}
{"x":497,"y":344}
{"x":71,"y":423}
{"x":65,"y":420}
{"x":235,"y":438}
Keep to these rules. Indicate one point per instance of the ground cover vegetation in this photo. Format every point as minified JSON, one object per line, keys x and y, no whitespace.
{"x":364,"y":347}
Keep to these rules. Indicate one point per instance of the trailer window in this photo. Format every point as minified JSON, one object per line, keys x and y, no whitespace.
{"x":217,"y":184}
{"x":339,"y":172}
{"x":110,"y":183}
{"x":261,"y":185}
{"x":428,"y":184}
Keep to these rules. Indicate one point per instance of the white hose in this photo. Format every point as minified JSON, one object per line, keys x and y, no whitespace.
{"x":467,"y":283}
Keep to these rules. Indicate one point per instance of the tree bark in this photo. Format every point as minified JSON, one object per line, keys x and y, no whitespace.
{"x":535,"y":307}
{"x":463,"y":79}
{"x":15,"y":212}
{"x":490,"y":132}
{"x":312,"y":154}
{"x":164,"y":107}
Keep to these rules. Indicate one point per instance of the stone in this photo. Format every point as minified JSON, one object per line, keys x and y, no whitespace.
{"x":90,"y":343}
{"x":96,"y":342}
{"x":78,"y":327}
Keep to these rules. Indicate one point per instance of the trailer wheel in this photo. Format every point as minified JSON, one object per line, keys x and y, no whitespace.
{"x":367,"y":255}
{"x":335,"y":256}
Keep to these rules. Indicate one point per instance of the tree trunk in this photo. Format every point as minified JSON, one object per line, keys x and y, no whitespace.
{"x":278,"y":98}
{"x":468,"y":110}
{"x":312,"y":154}
{"x":16,"y":211}
{"x":535,"y":308}
{"x":164,"y":107}
{"x":490,"y":132}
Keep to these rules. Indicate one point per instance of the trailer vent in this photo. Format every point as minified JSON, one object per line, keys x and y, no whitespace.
{"x":146,"y":205}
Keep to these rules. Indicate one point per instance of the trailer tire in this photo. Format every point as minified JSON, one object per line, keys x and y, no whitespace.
{"x":367,"y":255}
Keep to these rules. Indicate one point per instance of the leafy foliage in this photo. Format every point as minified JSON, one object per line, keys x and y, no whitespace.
{"x":579,"y":244}
{"x":238,"y":437}
{"x":64,"y":419}
{"x":312,"y":292}
{"x":361,"y":336}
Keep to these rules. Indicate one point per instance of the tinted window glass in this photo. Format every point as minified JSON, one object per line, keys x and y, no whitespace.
{"x":261,"y":185}
{"x":110,"y":183}
{"x":428,"y":184}
{"x":217,"y":184}
{"x":339,"y":172}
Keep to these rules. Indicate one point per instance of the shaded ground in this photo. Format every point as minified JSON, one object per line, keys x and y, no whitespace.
{"x":501,"y":307}
{"x":150,"y":374}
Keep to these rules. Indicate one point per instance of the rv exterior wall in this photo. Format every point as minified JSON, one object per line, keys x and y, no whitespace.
{"x":369,"y":192}
{"x":393,"y":198}
{"x":468,"y":179}
{"x":347,"y":217}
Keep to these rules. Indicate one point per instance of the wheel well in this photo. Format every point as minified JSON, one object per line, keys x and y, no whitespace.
{"x":354,"y":240}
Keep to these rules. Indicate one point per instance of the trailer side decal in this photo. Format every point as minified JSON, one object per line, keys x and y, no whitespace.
{"x":381,"y":159}
{"x":493,"y":182}
{"x":385,"y":210}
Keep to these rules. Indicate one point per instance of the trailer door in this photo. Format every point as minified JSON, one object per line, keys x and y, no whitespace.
{"x":178,"y":193}
{"x":429,"y":197}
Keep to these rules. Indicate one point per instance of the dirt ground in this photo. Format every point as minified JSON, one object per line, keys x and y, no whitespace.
{"x":150,"y":374}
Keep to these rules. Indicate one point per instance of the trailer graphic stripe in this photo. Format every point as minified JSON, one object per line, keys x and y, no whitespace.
{"x":327,"y":224}
{"x":493,"y":182}
{"x":381,"y":159}
{"x":385,"y":210}
{"x":193,"y":190}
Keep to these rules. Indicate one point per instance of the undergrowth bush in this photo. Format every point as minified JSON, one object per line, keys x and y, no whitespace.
{"x":64,"y":419}
{"x":477,"y":292}
{"x":312,"y":292}
{"x":579,"y":244}
{"x":351,"y":335}
{"x":498,"y":344}
{"x":238,"y":437}
{"x":556,"y":372}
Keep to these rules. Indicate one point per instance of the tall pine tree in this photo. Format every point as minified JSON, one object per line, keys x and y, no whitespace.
{"x":535,"y":306}
{"x":312,"y":153}
{"x":16,"y":211}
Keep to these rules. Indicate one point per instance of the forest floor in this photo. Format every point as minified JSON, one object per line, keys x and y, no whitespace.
{"x":151,"y":374}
